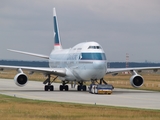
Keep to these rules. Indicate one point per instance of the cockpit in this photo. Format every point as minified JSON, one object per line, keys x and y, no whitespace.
{"x":94,"y":47}
{"x":92,"y":56}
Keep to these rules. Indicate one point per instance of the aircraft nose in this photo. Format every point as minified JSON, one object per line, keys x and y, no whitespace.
{"x":99,"y":65}
{"x":99,"y":69}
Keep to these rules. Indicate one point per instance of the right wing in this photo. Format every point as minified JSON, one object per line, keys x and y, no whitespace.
{"x":54,"y":71}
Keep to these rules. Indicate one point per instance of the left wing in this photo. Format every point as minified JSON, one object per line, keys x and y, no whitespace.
{"x":117,"y":70}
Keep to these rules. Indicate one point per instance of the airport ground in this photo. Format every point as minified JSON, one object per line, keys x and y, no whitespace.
{"x":17,"y":108}
{"x":151,"y":79}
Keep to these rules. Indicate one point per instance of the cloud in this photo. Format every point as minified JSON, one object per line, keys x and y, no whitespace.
{"x":120,"y":26}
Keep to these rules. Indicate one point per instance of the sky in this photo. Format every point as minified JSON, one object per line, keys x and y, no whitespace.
{"x":119,"y":26}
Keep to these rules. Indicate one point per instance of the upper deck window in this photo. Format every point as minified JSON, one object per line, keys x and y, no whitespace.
{"x":79,"y":49}
{"x":93,"y":56}
{"x":94,"y":47}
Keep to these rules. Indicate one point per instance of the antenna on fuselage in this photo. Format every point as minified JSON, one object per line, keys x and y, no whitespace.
{"x":57,"y":42}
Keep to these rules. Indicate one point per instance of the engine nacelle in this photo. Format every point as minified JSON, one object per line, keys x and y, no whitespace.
{"x":20,"y":79}
{"x":136,"y":81}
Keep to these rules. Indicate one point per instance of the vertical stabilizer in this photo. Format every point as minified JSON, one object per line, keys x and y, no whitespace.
{"x":57,"y":42}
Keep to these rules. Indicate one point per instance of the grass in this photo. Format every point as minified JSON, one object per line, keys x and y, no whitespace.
{"x":12,"y":108}
{"x":151,"y":81}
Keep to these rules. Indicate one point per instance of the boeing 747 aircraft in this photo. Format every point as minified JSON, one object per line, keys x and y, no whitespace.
{"x":84,"y":62}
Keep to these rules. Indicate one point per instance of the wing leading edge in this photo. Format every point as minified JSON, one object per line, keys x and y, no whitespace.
{"x":54,"y":71}
{"x":31,"y":54}
{"x":117,"y":70}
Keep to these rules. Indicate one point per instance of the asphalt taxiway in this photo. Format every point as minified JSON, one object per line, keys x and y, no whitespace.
{"x":119,"y":97}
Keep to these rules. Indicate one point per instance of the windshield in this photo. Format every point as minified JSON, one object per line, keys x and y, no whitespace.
{"x":93,"y":56}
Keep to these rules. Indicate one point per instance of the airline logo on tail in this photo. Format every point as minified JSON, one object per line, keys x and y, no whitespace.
{"x":57,"y":42}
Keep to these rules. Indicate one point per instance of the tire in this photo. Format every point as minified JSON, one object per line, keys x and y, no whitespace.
{"x":61,"y":87}
{"x":66,"y":87}
{"x":46,"y":88}
{"x":51,"y":88}
{"x":78,"y":88}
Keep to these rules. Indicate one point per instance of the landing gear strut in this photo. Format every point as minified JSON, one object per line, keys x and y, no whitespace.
{"x":49,"y":86}
{"x":64,"y":86}
{"x":102,"y":81}
{"x":81,"y":86}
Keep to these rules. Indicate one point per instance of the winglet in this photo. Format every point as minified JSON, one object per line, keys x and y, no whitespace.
{"x":57,"y":42}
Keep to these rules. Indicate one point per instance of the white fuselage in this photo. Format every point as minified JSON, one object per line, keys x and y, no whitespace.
{"x":85,"y":61}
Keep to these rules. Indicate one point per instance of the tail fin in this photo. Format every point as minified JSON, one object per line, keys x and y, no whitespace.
{"x":57,"y":42}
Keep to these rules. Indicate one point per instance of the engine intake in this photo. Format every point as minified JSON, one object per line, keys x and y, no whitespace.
{"x":20,"y":79}
{"x":136,"y":81}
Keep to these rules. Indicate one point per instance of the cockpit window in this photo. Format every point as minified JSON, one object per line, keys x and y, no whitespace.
{"x":92,"y":56}
{"x":94,"y":47}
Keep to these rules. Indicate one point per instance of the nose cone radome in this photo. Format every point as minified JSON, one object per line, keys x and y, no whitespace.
{"x":99,"y":69}
{"x":94,"y":71}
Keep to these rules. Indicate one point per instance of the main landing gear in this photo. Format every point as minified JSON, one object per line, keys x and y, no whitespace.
{"x":48,"y":82}
{"x":81,"y":86}
{"x":63,"y":86}
{"x":51,"y":87}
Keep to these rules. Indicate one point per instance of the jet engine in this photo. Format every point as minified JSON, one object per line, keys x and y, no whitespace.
{"x":136,"y":80}
{"x":20,"y":79}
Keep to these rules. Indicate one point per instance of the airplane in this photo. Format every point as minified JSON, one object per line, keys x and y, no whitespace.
{"x":85,"y":61}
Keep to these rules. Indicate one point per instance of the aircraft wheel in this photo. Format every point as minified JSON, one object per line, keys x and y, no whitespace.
{"x":78,"y":88}
{"x":66,"y":87}
{"x":61,"y":87}
{"x":51,"y":88}
{"x":46,"y":88}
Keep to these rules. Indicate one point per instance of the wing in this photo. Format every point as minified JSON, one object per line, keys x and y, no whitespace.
{"x":117,"y":70}
{"x":31,"y":54}
{"x":54,"y":71}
